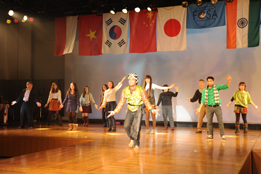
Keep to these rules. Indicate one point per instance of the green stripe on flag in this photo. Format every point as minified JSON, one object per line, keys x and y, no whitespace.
{"x":254,"y":22}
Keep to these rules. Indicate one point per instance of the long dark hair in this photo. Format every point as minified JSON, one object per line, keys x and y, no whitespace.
{"x":144,"y":84}
{"x":105,"y":86}
{"x":52,"y":88}
{"x":75,"y":89}
{"x":84,"y":92}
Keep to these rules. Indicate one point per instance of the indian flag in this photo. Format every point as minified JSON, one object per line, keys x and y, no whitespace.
{"x":243,"y":20}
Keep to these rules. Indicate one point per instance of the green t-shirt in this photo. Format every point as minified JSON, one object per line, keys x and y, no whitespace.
{"x":134,"y":98}
{"x":242,"y":98}
{"x":211,"y":97}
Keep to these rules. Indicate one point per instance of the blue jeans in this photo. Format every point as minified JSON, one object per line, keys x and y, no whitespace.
{"x":210,"y":113}
{"x":167,"y":113}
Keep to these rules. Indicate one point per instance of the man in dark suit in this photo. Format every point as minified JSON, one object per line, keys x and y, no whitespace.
{"x":28,"y":99}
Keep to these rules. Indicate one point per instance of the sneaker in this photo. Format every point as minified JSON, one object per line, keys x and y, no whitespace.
{"x":237,"y":131}
{"x":209,"y":137}
{"x":199,"y":131}
{"x":166,"y":128}
{"x":152,"y":131}
{"x":223,"y":138}
{"x":172,"y":128}
{"x":148,"y":131}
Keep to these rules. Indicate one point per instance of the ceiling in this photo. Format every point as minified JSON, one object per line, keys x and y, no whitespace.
{"x":59,"y":8}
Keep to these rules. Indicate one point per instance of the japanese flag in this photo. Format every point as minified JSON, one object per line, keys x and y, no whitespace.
{"x":172,"y":28}
{"x":115,"y":33}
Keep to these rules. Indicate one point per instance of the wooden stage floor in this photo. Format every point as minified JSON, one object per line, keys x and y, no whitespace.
{"x":100,"y":152}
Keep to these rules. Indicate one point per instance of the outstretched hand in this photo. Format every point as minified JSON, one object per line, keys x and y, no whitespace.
{"x":96,"y":106}
{"x":198,"y":111}
{"x":188,"y":99}
{"x":155,"y":111}
{"x":172,"y":85}
{"x":100,"y":108}
{"x":228,"y":78}
{"x":227,"y":105}
{"x":112,"y":113}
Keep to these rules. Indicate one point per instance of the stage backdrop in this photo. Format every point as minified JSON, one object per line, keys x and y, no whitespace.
{"x":206,"y":55}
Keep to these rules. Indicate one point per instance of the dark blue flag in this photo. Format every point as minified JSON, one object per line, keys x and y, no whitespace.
{"x":206,"y":15}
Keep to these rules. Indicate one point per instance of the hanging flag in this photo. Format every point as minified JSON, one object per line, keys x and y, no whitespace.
{"x":90,"y":35}
{"x":143,"y":31}
{"x":172,"y":28}
{"x":115,"y":33}
{"x":206,"y":15}
{"x":65,"y":33}
{"x":243,"y":20}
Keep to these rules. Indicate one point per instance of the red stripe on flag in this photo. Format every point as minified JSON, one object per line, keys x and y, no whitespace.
{"x":90,"y":35}
{"x":143,"y":31}
{"x":60,"y":36}
{"x":231,"y":24}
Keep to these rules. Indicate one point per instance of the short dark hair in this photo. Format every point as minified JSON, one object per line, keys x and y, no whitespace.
{"x":201,"y":80}
{"x":29,"y":82}
{"x":210,"y":77}
{"x":165,"y":85}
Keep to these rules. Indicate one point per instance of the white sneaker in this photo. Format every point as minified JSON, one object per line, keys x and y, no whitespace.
{"x":209,"y":137}
{"x":147,"y":131}
{"x":223,"y":138}
{"x":152,"y":131}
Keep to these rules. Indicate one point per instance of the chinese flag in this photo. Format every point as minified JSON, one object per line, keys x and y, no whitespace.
{"x":90,"y":35}
{"x":143,"y":31}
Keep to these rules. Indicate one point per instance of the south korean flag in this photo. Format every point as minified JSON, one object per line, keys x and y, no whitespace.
{"x":115,"y":33}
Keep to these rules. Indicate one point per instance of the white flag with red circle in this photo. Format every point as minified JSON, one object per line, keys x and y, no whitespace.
{"x":115,"y":33}
{"x":172,"y":28}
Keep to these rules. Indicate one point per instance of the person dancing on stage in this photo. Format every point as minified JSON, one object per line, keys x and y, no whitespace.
{"x":104,"y":118}
{"x":72,"y":97}
{"x":28,"y":98}
{"x":203,"y":111}
{"x":54,"y":101}
{"x":165,"y":97}
{"x":85,"y":103}
{"x":150,"y":87}
{"x":242,"y":99}
{"x":210,"y":97}
{"x":110,"y":102}
{"x":136,"y":98}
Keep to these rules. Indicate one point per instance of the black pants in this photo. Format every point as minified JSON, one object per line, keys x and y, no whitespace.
{"x":26,"y":108}
{"x":243,"y":117}
{"x":103,"y":116}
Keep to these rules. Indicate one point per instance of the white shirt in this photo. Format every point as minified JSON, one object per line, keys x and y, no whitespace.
{"x":154,"y":86}
{"x":109,"y":94}
{"x":56,"y":95}
{"x":26,"y":95}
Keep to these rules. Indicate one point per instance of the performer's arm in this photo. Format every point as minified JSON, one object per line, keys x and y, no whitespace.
{"x":160,"y":99}
{"x":195,"y":97}
{"x":120,"y":84}
{"x":202,"y":101}
{"x":49,"y":99}
{"x":59,"y":96}
{"x":19,"y":98}
{"x":176,"y":93}
{"x":146,"y":100}
{"x":104,"y":101}
{"x":121,"y":103}
{"x":154,"y":86}
{"x":228,"y":80}
{"x":232,"y":99}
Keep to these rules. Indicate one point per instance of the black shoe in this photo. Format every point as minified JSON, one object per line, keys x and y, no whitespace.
{"x":109,"y":129}
{"x":20,"y":127}
{"x":237,"y":131}
{"x":113,"y":130}
{"x":104,"y":125}
{"x":30,"y":127}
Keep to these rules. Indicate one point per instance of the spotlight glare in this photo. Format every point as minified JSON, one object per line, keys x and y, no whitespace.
{"x":31,"y":19}
{"x":15,"y":20}
{"x":214,"y":2}
{"x":148,"y":8}
{"x":112,"y":12}
{"x":11,"y":12}
{"x":25,"y":18}
{"x":124,"y":10}
{"x":137,"y":9}
{"x":8,"y":21}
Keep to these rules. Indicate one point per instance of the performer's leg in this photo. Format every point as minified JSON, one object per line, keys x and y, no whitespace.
{"x":87,"y":119}
{"x":164,"y":114}
{"x":147,"y":121}
{"x":127,"y":126}
{"x":113,"y":123}
{"x":245,"y":123}
{"x":59,"y":118}
{"x":137,"y":141}
{"x":83,"y":118}
{"x":103,"y":118}
{"x":218,"y":113}
{"x":29,"y":116}
{"x":70,"y":117}
{"x":153,"y":123}
{"x":205,"y":112}
{"x":171,"y":122}
{"x":210,"y":113}
{"x":74,"y":117}
{"x":110,"y":124}
{"x":200,"y":119}
{"x":22,"y":112}
{"x":237,"y":125}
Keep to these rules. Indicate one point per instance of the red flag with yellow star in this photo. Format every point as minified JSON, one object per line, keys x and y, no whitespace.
{"x":90,"y":35}
{"x":143,"y":31}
